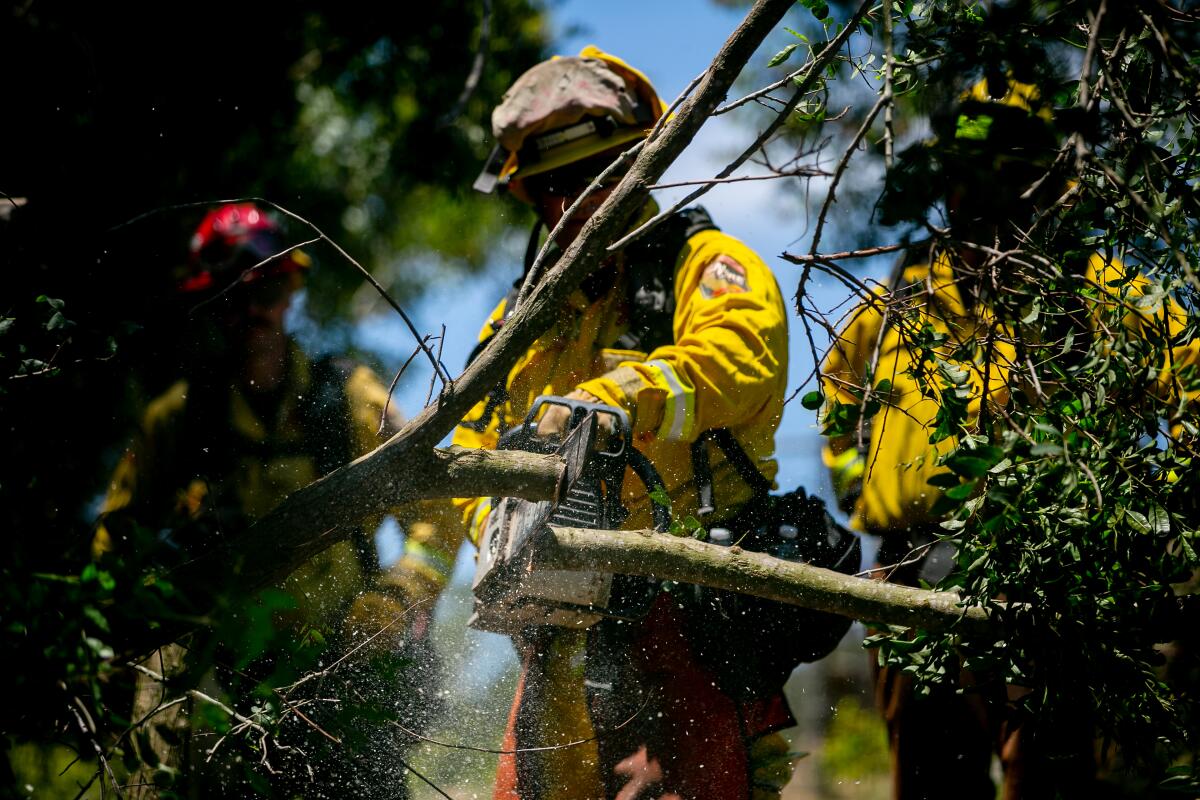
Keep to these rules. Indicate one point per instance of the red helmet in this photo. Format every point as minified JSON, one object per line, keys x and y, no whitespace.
{"x":232,"y":239}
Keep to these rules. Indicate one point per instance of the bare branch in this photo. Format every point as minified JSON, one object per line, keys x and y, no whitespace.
{"x":684,"y":559}
{"x":383,"y":415}
{"x":831,"y":194}
{"x":797,"y":258}
{"x":796,"y":173}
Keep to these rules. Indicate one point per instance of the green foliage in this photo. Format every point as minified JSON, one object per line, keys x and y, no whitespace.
{"x":1071,"y":492}
{"x":687,"y":526}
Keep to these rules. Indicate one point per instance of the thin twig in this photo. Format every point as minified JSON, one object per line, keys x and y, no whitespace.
{"x":433,"y":378}
{"x":911,"y":557}
{"x":391,"y":388}
{"x":889,"y":95}
{"x":446,"y":379}
{"x":826,"y":258}
{"x":597,"y":736}
{"x":766,"y":90}
{"x":327,"y":670}
{"x":295,"y":709}
{"x":843,"y":163}
{"x":246,"y":273}
{"x":427,"y":782}
{"x":539,"y":263}
{"x":807,"y":172}
{"x":472,"y":82}
{"x":91,"y":737}
{"x":196,"y":694}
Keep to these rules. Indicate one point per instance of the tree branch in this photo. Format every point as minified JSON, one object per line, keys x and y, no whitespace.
{"x":316,"y":517}
{"x":661,"y":555}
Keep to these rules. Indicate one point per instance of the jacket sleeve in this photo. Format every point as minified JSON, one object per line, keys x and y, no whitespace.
{"x":435,"y":529}
{"x":728,"y":362}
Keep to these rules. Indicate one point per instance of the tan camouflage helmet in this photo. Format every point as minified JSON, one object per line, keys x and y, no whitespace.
{"x":565,"y":110}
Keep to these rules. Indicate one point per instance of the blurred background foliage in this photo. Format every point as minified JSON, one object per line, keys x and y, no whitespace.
{"x":341,"y":111}
{"x":355,"y":114}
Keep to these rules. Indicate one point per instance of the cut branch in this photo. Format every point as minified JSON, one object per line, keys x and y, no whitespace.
{"x":660,"y":555}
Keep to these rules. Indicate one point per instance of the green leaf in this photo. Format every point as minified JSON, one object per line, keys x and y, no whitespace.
{"x":782,"y":55}
{"x":819,"y":8}
{"x":968,"y":466}
{"x":92,"y":613}
{"x":812,"y":401}
{"x":1158,"y":519}
{"x":962,"y":491}
{"x":1137,"y":521}
{"x":944,"y":480}
{"x":659,"y":495}
{"x":106,"y":580}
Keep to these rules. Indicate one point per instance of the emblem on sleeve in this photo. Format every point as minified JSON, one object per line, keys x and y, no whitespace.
{"x":723,"y":276}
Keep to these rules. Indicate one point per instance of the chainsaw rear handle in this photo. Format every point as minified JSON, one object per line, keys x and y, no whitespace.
{"x":580,"y":409}
{"x":641,"y":466}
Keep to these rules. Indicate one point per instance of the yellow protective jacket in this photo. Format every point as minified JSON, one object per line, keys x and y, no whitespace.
{"x":727,"y":367}
{"x":895,"y":461}
{"x":157,"y":480}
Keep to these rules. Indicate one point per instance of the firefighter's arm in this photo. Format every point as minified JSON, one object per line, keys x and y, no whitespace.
{"x":728,"y":362}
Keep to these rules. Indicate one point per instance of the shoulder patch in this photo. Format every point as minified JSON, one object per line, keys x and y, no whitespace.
{"x":723,"y":275}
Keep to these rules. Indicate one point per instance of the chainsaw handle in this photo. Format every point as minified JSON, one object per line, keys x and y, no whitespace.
{"x":641,"y":466}
{"x":580,"y":409}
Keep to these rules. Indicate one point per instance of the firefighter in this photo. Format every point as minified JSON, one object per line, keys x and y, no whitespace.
{"x":716,"y":359}
{"x":994,"y":153}
{"x":255,"y":420}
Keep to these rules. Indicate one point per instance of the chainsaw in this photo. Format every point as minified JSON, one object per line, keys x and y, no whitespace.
{"x":511,"y":591}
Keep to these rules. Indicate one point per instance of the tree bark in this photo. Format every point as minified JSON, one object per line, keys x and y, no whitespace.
{"x":660,"y":555}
